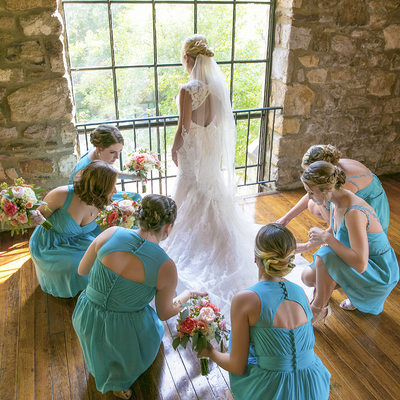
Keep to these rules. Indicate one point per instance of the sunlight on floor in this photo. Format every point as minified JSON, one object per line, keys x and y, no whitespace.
{"x":13,"y":259}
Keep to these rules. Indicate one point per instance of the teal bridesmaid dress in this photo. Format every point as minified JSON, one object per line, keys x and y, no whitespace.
{"x":282,"y":364}
{"x":369,"y":290}
{"x":375,"y":196}
{"x":57,"y":252}
{"x":120,"y":333}
{"x":84,"y":162}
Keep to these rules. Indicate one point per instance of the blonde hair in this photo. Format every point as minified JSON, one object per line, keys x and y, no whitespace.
{"x":275,"y":246}
{"x":324,"y":175}
{"x":321,"y":152}
{"x":195,"y":45}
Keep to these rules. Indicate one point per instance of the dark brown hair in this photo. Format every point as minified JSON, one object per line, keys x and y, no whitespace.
{"x":275,"y":247}
{"x":321,"y":152}
{"x":106,"y":135}
{"x":324,"y":175}
{"x":156,"y":211}
{"x":95,"y":183}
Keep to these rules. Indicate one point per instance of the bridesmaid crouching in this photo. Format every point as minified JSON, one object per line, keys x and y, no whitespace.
{"x":120,"y":333}
{"x":272,"y":340}
{"x":72,"y":210}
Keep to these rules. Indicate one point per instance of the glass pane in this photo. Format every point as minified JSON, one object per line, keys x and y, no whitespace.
{"x":94,"y":96}
{"x":251,"y":31}
{"x":215,"y":23}
{"x":248,"y":85}
{"x":174,"y":24}
{"x":226,"y":69}
{"x":133,"y":34}
{"x":170,"y":80}
{"x":88,"y":35}
{"x":135,"y":92}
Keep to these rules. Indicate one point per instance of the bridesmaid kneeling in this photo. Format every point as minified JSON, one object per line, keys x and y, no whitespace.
{"x":119,"y":331}
{"x":272,"y":341}
{"x":72,"y":210}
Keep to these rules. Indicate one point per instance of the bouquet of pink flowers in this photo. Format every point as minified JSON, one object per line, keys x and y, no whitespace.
{"x":18,"y":204}
{"x":119,"y":213}
{"x":200,"y":322}
{"x":141,"y":162}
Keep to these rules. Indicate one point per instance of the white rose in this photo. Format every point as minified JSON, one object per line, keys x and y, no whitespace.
{"x":126,"y":205}
{"x":29,"y":195}
{"x":18,"y":192}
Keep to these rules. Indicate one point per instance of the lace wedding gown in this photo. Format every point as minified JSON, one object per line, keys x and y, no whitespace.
{"x":211,"y":242}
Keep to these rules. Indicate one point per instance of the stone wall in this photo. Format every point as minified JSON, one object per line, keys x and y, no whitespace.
{"x":336,"y":70}
{"x":36,"y":129}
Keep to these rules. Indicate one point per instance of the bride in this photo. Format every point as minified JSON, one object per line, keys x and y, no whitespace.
{"x":211,"y":243}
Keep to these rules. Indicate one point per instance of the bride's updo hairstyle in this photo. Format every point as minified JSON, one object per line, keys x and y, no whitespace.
{"x":155,"y":211}
{"x":275,"y":247}
{"x":106,"y":135}
{"x":324,"y":175}
{"x":95,"y":183}
{"x":195,"y":45}
{"x":321,"y":152}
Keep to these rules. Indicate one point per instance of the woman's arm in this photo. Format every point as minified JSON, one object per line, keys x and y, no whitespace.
{"x":356,"y":256}
{"x":185,"y":117}
{"x":89,"y":257}
{"x":54,"y":200}
{"x":243,"y":305}
{"x":295,"y":211}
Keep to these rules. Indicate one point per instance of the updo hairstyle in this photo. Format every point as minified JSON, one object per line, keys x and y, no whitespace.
{"x":275,"y":246}
{"x":95,"y":183}
{"x":195,"y":45}
{"x":106,"y":135}
{"x":155,"y":211}
{"x":321,"y":152}
{"x":324,"y":175}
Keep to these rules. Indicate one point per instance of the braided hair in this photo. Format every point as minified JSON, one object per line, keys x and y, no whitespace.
{"x":324,"y":175}
{"x":321,"y":152}
{"x":106,"y":135}
{"x":155,"y":211}
{"x":275,"y":246}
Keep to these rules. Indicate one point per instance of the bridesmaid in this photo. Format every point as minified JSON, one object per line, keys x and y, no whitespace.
{"x":120,"y":333}
{"x":359,"y":180}
{"x":72,"y":210}
{"x":272,"y":340}
{"x":357,"y":255}
{"x":107,"y":144}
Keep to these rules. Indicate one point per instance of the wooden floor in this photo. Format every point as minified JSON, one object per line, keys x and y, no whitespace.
{"x":41,"y":357}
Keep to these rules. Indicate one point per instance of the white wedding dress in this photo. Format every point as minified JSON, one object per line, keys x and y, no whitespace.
{"x":212,"y":242}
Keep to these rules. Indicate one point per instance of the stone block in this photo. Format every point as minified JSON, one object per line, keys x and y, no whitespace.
{"x":343,"y":45}
{"x":11,"y":75}
{"x":45,"y":100}
{"x":340,"y":74}
{"x":30,"y":52}
{"x":300,"y":38}
{"x":352,"y":12}
{"x":7,"y":24}
{"x":320,"y":42}
{"x":354,"y":102}
{"x":40,"y":132}
{"x":8,"y":133}
{"x":392,"y":37}
{"x":392,"y":106}
{"x":55,"y":50}
{"x":317,"y":75}
{"x":20,"y":5}
{"x":309,"y":61}
{"x":298,"y":100}
{"x":395,"y":62}
{"x":291,"y":126}
{"x":278,"y":91}
{"x":68,"y":133}
{"x":300,"y":75}
{"x":45,"y":24}
{"x":11,"y":173}
{"x":381,"y":83}
{"x":280,"y":60}
{"x":37,"y":166}
{"x":2,"y":119}
{"x":67,"y":164}
{"x":6,"y":38}
{"x":3,"y":175}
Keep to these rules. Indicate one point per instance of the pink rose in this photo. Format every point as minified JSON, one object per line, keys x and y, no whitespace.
{"x":204,"y":302}
{"x":202,"y":326}
{"x":137,"y":167}
{"x":14,"y":222}
{"x":18,"y":192}
{"x":222,"y":325}
{"x":207,"y":314}
{"x":188,"y":325}
{"x":23,"y":218}
{"x":10,"y":209}
{"x":29,"y":204}
{"x":140,"y":159}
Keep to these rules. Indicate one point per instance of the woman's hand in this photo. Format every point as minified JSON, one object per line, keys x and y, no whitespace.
{"x":318,"y":235}
{"x":206,"y":352}
{"x":283,"y":220}
{"x":37,"y":218}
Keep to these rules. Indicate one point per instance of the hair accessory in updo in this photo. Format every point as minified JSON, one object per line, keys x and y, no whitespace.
{"x":197,"y":45}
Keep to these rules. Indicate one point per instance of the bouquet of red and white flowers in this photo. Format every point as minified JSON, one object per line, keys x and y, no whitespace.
{"x":141,"y":162}
{"x":18,"y":204}
{"x":119,"y":213}
{"x":201,"y":322}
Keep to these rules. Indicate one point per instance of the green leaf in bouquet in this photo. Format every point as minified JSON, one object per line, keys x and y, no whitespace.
{"x":184,"y":314}
{"x":194,"y":340}
{"x":176,"y":342}
{"x":217,"y":336}
{"x":184,"y":341}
